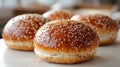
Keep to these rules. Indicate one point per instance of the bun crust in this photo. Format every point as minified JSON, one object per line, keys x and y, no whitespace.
{"x":20,"y":31}
{"x":106,"y":28}
{"x":65,"y":41}
{"x":58,"y":14}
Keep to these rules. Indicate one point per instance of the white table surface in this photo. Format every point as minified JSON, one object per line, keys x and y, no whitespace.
{"x":106,"y":56}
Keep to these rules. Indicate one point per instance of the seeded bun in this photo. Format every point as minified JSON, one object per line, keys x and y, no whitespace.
{"x":106,"y":28}
{"x":19,"y":31}
{"x":58,"y":14}
{"x":65,"y":41}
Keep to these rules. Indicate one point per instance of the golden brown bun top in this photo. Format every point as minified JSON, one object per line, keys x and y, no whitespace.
{"x":23,"y":27}
{"x":98,"y":22}
{"x":58,"y":14}
{"x":66,"y":35}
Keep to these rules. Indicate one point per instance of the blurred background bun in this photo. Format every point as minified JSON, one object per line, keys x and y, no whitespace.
{"x":56,"y":14}
{"x":106,"y":28}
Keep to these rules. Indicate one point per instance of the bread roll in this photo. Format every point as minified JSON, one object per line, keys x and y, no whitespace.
{"x":19,"y":32}
{"x":65,"y":41}
{"x":106,"y":28}
{"x":58,"y":14}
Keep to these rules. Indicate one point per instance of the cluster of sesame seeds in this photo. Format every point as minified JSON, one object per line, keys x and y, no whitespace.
{"x":65,"y":33}
{"x":100,"y":22}
{"x":24,"y":26}
{"x":58,"y":14}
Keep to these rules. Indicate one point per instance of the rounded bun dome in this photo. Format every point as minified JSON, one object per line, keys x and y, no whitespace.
{"x":65,"y":41}
{"x":19,"y":32}
{"x":106,"y":28}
